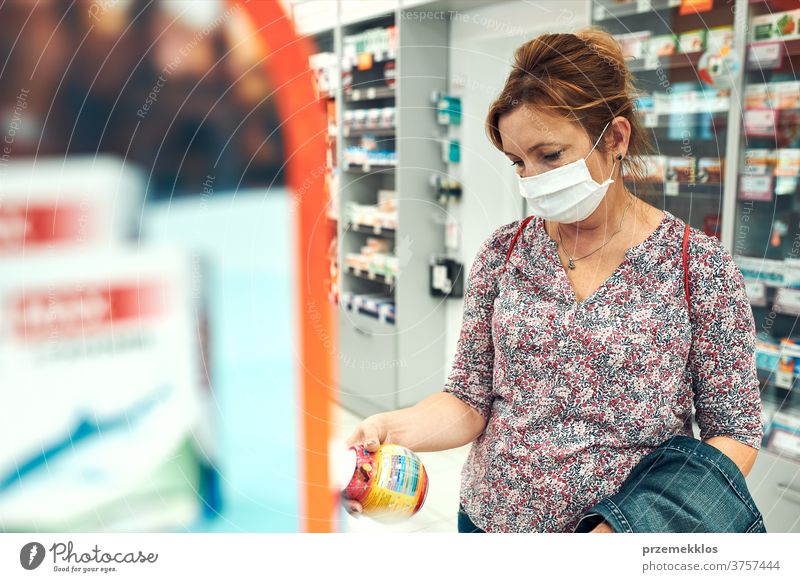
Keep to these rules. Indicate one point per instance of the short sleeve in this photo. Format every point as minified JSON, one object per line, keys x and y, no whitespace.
{"x":471,"y":375}
{"x":722,"y":355}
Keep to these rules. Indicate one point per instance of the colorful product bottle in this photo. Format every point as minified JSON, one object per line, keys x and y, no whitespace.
{"x":391,"y":484}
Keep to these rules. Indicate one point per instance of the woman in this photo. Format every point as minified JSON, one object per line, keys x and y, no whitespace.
{"x":578,"y":354}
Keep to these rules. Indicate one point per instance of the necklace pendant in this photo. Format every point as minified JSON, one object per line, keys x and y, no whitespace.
{"x":571,"y":264}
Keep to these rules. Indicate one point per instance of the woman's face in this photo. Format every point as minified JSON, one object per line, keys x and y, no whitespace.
{"x":536,"y":141}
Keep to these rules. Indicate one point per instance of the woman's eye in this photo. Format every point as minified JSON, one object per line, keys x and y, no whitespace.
{"x":554,"y":156}
{"x":514,"y":163}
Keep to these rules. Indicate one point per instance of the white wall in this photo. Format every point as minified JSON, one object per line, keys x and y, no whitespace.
{"x":482,"y":50}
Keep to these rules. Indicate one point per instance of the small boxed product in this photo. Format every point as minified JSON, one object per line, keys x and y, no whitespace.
{"x":654,"y":168}
{"x":778,"y":25}
{"x":784,"y":435}
{"x":788,"y":362}
{"x":634,"y":45}
{"x":709,"y":170}
{"x":644,"y":103}
{"x":375,"y":245}
{"x":786,"y":24}
{"x":787,"y":162}
{"x":387,"y":117}
{"x":373,"y":117}
{"x":762,"y":27}
{"x":785,"y":95}
{"x":387,"y":200}
{"x":755,"y":188}
{"x":759,"y":162}
{"x":681,"y":169}
{"x":692,"y":41}
{"x":347,"y":118}
{"x":718,"y":37}
{"x":663,"y":45}
{"x":359,"y":118}
{"x":768,"y":353}
{"x":757,"y":96}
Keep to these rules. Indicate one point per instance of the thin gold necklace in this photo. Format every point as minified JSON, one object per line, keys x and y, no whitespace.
{"x":571,"y":263}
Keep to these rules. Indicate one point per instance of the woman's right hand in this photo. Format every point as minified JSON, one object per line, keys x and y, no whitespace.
{"x":369,"y":434}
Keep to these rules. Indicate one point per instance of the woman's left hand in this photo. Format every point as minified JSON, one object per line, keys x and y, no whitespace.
{"x":602,"y":527}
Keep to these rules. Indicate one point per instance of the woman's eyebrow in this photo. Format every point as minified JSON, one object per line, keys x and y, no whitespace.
{"x":534,"y":147}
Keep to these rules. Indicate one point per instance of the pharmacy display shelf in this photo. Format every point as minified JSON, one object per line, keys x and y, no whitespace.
{"x":687,"y":118}
{"x":684,"y":189}
{"x":676,"y":61}
{"x":362,"y":131}
{"x":372,"y":229}
{"x":610,"y":10}
{"x":369,"y":94}
{"x":371,"y":276}
{"x":789,"y":47}
{"x":388,"y":60}
{"x":369,"y":168}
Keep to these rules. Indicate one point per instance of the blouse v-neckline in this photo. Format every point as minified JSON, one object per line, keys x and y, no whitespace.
{"x":630,"y":253}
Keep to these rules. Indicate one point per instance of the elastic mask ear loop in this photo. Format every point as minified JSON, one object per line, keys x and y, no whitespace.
{"x":614,"y":165}
{"x":598,"y":141}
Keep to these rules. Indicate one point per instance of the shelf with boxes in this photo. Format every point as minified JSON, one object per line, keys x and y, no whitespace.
{"x":324,"y":65}
{"x":613,"y":9}
{"x":390,"y":65}
{"x":767,"y":204}
{"x":670,"y":49}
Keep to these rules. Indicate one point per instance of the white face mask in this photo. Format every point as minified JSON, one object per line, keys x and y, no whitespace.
{"x":567,"y":193}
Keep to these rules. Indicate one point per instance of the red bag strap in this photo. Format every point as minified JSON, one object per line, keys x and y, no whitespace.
{"x":686,"y":263}
{"x":522,"y":226}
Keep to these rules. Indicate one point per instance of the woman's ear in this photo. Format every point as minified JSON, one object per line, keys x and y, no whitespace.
{"x":620,"y":135}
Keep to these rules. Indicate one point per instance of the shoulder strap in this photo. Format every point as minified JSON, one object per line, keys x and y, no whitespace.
{"x":686,"y":263}
{"x":522,"y":226}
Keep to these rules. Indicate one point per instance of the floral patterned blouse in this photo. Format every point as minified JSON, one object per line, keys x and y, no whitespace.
{"x":577,"y":393}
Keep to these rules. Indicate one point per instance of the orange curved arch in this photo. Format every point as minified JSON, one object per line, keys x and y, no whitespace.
{"x":287,"y":68}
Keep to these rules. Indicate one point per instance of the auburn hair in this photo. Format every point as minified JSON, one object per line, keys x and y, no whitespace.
{"x":583,"y":76}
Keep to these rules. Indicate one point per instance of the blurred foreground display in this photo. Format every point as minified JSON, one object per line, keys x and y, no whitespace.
{"x":103,"y":422}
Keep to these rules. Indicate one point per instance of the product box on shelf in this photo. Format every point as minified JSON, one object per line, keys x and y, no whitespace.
{"x":786,"y":185}
{"x":788,"y":362}
{"x":759,"y":162}
{"x":663,"y":45}
{"x":692,"y":41}
{"x":785,"y":434}
{"x":785,"y":95}
{"x":754,"y":187}
{"x":681,"y":169}
{"x":757,"y":96}
{"x":709,"y":170}
{"x":718,"y":37}
{"x":324,"y":66}
{"x":373,"y":118}
{"x":761,"y":122}
{"x":654,"y":168}
{"x":634,"y":45}
{"x":769,"y":271}
{"x":387,"y":200}
{"x":768,"y":353}
{"x":777,"y":25}
{"x":787,"y":162}
{"x":378,"y":305}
